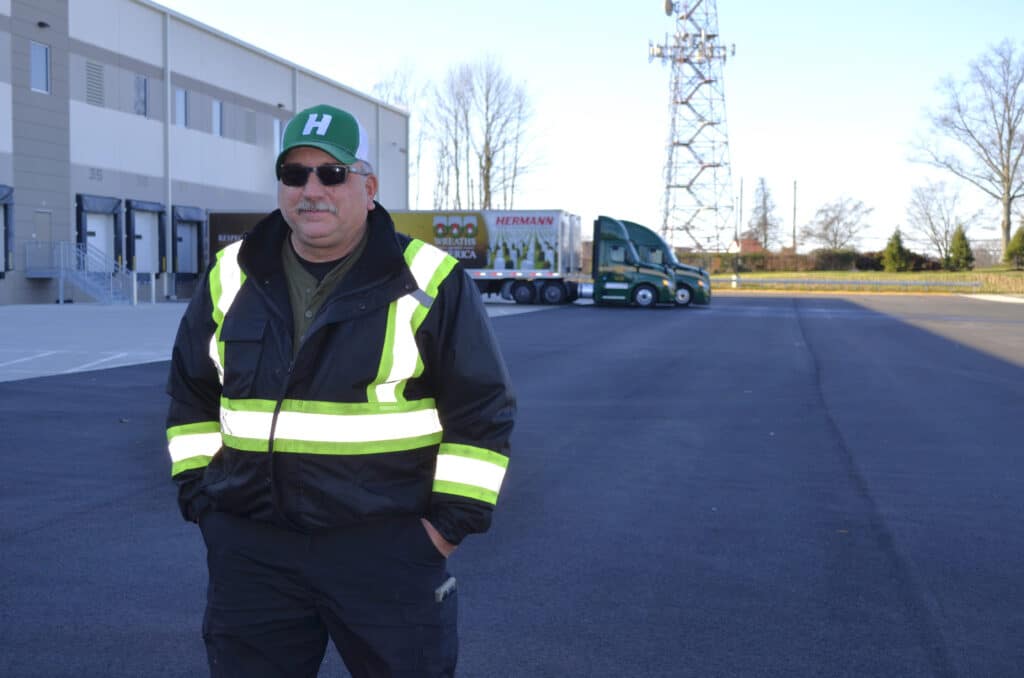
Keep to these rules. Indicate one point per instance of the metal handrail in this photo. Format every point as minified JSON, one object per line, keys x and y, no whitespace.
{"x":94,"y":273}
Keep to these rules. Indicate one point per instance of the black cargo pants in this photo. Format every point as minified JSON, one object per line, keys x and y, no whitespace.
{"x":276,"y":595}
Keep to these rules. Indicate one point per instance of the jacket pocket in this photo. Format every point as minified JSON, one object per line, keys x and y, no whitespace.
{"x":243,"y":348}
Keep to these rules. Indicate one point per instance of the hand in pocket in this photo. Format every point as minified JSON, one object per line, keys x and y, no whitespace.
{"x":440,"y":543}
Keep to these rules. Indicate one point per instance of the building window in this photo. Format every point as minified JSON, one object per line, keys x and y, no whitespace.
{"x":218,"y":118}
{"x":181,"y":107}
{"x":141,"y":102}
{"x":277,"y":136}
{"x":40,"y":68}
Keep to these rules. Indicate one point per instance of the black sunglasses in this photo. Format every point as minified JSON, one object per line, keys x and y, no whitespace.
{"x":329,"y":175}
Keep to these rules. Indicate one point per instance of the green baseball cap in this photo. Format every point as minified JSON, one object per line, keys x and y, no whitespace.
{"x":330,"y":129}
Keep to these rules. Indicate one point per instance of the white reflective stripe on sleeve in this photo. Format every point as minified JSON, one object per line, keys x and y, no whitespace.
{"x":425,"y":264}
{"x":457,"y":469}
{"x":246,"y":424}
{"x":190,"y":445}
{"x":404,"y":354}
{"x":355,"y":428}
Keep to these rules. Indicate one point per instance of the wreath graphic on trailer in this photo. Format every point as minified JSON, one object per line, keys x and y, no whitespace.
{"x":455,"y":229}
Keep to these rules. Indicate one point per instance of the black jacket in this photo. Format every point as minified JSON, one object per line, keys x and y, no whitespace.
{"x":339,"y":357}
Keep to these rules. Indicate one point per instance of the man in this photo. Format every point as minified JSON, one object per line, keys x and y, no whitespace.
{"x":339,"y":421}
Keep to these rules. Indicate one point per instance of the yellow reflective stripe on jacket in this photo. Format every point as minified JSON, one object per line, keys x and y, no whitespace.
{"x":387,"y":423}
{"x":316,"y":427}
{"x":469,"y":471}
{"x":429,"y":265}
{"x":226,"y":279}
{"x":400,"y":357}
{"x":192,"y":445}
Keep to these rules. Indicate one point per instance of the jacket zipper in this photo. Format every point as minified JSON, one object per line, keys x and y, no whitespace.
{"x":274,"y":494}
{"x":275,"y":501}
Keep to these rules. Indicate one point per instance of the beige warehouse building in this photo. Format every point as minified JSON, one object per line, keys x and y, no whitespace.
{"x":123,"y":124}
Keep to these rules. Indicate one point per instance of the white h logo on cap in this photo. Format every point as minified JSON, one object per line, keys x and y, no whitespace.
{"x":320,"y":125}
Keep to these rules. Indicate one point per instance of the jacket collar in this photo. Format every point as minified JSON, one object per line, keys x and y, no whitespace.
{"x":383,"y":258}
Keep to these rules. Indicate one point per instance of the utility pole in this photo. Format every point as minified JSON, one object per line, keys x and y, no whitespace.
{"x":739,"y":216}
{"x":794,"y":216}
{"x":698,"y":182}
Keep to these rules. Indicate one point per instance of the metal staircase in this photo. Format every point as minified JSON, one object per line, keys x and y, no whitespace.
{"x":91,"y":272}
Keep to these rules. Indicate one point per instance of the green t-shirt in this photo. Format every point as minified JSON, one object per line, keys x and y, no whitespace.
{"x":310,"y":283}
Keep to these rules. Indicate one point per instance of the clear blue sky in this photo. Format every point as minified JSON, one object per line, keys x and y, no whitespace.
{"x":827,"y":94}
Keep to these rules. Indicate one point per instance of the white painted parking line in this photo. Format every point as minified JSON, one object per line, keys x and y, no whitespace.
{"x":78,"y":338}
{"x":37,"y":356}
{"x":94,"y":363}
{"x":1005,"y":298}
{"x":498,"y":310}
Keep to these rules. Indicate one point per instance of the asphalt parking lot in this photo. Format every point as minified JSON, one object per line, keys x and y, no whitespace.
{"x":773,"y":486}
{"x":41,"y":340}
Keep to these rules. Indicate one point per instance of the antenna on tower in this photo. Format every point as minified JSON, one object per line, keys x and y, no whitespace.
{"x":698,"y":182}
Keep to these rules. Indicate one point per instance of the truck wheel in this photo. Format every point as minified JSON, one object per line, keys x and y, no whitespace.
{"x":523,"y":292}
{"x":645,"y":296}
{"x":553,"y":293}
{"x":684,"y":295}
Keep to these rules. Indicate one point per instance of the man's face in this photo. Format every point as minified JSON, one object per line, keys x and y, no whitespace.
{"x":326,"y":221}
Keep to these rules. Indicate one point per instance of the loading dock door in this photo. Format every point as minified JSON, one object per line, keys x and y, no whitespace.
{"x":99,"y":242}
{"x":188,"y":238}
{"x":147,"y":242}
{"x":188,"y":247}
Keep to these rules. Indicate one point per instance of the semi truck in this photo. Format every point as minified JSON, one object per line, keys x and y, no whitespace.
{"x":535,"y":256}
{"x":620,"y":275}
{"x":693,"y":284}
{"x":529,"y":256}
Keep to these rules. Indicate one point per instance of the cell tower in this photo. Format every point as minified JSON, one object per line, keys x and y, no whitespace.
{"x":698,"y":183}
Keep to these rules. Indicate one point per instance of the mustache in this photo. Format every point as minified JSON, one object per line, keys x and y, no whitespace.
{"x":315,"y":206}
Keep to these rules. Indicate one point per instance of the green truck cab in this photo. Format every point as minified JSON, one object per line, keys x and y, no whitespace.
{"x":620,"y":276}
{"x":693,"y":284}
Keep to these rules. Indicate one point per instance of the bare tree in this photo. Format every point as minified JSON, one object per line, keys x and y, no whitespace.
{"x":447,"y":127}
{"x":763,"y":225}
{"x":837,"y":225}
{"x":983,"y":117}
{"x":501,"y":111}
{"x":442,"y":189}
{"x":512,"y":159}
{"x":402,"y":90}
{"x":932,"y":217}
{"x":398,"y":88}
{"x":478,"y":121}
